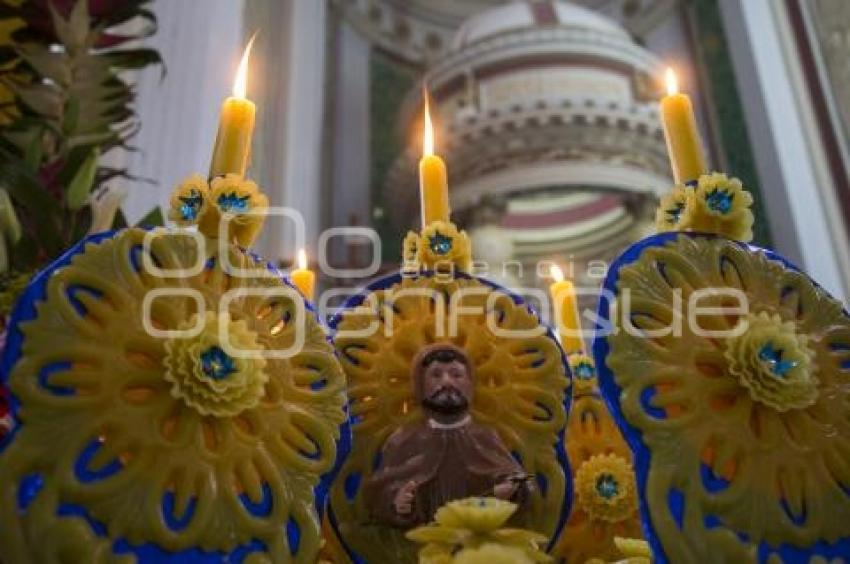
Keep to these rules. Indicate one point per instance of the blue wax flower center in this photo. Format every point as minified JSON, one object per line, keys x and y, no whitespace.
{"x":216,"y":363}
{"x":585,"y":371}
{"x":440,"y":244}
{"x":607,"y":486}
{"x":720,"y":200}
{"x":233,"y":203}
{"x":191,"y":205}
{"x":772,"y":357}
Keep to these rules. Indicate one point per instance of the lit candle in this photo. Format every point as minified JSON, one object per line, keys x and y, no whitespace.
{"x":303,"y":278}
{"x":680,"y":130}
{"x":566,"y":312}
{"x":232,"y":150}
{"x":433,"y":177}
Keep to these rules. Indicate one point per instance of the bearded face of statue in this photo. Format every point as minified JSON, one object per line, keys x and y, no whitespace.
{"x":447,"y":385}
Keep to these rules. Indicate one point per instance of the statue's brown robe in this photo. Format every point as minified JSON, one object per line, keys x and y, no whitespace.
{"x":446,"y":464}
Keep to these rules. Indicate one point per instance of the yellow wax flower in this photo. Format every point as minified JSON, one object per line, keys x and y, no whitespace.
{"x":680,"y":129}
{"x":433,"y":178}
{"x":235,"y":127}
{"x":566,"y":312}
{"x":303,"y":278}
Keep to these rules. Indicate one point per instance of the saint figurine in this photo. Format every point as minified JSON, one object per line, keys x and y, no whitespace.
{"x":446,"y":456}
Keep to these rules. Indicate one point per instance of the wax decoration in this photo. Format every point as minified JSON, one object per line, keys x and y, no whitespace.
{"x":189,"y":200}
{"x":441,"y":247}
{"x":680,"y":130}
{"x":153,"y":418}
{"x":742,"y":441}
{"x":605,"y":488}
{"x":208,"y":379}
{"x":567,"y":317}
{"x":473,"y":531}
{"x":230,"y":198}
{"x":717,"y":204}
{"x":232,"y":151}
{"x":772,"y":349}
{"x":303,"y":278}
{"x":433,"y":177}
{"x":604,"y":481}
{"x":519,"y":389}
{"x":630,"y":551}
{"x":227,"y":449}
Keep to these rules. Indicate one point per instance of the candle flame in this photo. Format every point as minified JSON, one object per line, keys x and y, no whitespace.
{"x":240,"y":85}
{"x":672,"y":82}
{"x":556,"y":273}
{"x":428,"y":130}
{"x":302,"y":259}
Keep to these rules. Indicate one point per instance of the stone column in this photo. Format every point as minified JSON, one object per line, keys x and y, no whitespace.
{"x":300,"y":111}
{"x":790,"y":162}
{"x":350,"y":188}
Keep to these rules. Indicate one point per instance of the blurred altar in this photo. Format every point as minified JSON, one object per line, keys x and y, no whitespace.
{"x":546,"y":111}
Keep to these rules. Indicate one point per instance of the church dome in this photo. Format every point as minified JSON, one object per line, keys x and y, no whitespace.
{"x":525,"y":14}
{"x":548,"y":117}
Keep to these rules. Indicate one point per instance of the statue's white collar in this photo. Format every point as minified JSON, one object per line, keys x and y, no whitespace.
{"x":446,"y":426}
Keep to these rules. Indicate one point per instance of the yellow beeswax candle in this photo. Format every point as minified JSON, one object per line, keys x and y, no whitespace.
{"x":303,"y":278}
{"x":680,"y":129}
{"x":433,"y":177}
{"x":232,"y":150}
{"x":566,"y":312}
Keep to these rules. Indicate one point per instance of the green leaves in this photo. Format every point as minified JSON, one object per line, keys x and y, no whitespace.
{"x":133,"y":58}
{"x":73,"y":103}
{"x":50,"y":65}
{"x":153,"y":218}
{"x":73,"y":33}
{"x":42,"y":99}
{"x":82,"y":182}
{"x":10,"y":227}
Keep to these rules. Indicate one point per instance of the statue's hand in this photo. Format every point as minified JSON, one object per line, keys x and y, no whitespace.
{"x":403,"y":502}
{"x":506,"y":489}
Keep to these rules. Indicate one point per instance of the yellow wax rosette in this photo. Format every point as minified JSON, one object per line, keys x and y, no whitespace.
{"x":721,"y":206}
{"x":206,"y":377}
{"x":605,"y":488}
{"x":673,"y":210}
{"x":471,"y":524}
{"x":189,"y":201}
{"x":240,"y":200}
{"x":718,"y":205}
{"x":774,"y":363}
{"x":442,"y":246}
{"x":583,"y":370}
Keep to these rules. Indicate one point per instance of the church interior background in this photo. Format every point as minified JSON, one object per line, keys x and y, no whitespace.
{"x":687,"y":445}
{"x":546,"y":114}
